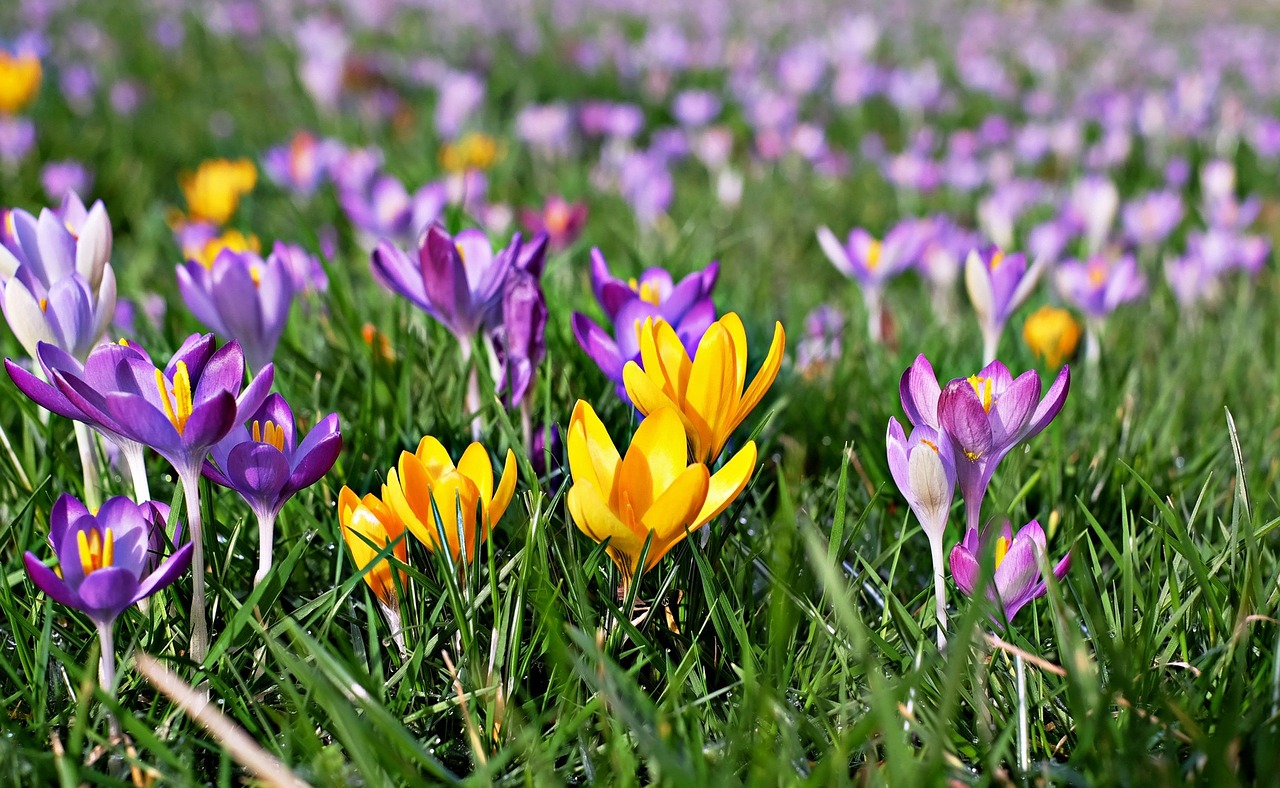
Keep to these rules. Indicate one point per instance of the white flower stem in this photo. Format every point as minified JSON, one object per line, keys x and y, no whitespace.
{"x":266,"y":535}
{"x":940,"y":590}
{"x":392,"y":614}
{"x":137,"y":465}
{"x":875,"y":314}
{"x":1092,"y":346}
{"x":990,"y":345}
{"x":89,"y":464}
{"x":1024,"y":756}
{"x":199,"y":620}
{"x":526,"y":425}
{"x":107,"y":669}
{"x":473,"y":389}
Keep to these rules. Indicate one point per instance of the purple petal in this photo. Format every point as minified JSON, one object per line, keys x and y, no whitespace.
{"x":168,"y":571}
{"x":47,"y":581}
{"x":315,"y":459}
{"x":599,"y":346}
{"x":106,"y":592}
{"x":1051,"y":405}
{"x":962,"y":416}
{"x":258,"y":472}
{"x":964,"y":569}
{"x":919,"y":392}
{"x":41,"y":393}
{"x":1011,"y":409}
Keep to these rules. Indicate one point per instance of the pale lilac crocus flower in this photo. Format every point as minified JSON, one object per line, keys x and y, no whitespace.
{"x":997,"y":283}
{"x":872,"y":263}
{"x":1018,"y":579}
{"x":1096,"y":288}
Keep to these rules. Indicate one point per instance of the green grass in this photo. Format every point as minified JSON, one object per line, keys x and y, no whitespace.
{"x":795,"y":645}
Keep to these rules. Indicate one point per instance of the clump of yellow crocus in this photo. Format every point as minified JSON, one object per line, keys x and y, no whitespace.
{"x":214,"y":190}
{"x":652,"y":490}
{"x":1052,"y":334}
{"x":20,"y":75}
{"x":707,"y":391}
{"x":458,"y":492}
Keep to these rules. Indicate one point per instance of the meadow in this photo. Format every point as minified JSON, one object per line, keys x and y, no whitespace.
{"x":596,"y":391}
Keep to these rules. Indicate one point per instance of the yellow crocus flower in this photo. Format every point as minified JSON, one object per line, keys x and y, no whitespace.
{"x":706,"y":390}
{"x":429,"y":474}
{"x":374,"y":520}
{"x":1052,"y":334}
{"x":653,"y":489}
{"x":474,"y":151}
{"x":214,"y":190}
{"x":19,"y":81}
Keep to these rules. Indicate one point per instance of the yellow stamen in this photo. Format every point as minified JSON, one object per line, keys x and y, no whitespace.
{"x":873,"y":255}
{"x":930,"y":444}
{"x":269,"y":434}
{"x":1002,"y":549}
{"x":982,"y":387}
{"x":1097,"y":275}
{"x":178,"y":406}
{"x":124,"y":342}
{"x":996,"y":259}
{"x":97,"y":550}
{"x":646,"y":290}
{"x":461,"y":254}
{"x":44,"y":305}
{"x":255,"y":273}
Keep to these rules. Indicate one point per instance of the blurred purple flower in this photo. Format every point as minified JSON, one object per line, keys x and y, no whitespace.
{"x":241,"y":297}
{"x":997,"y":284}
{"x":301,"y":165}
{"x":546,"y":128}
{"x":1150,"y":219}
{"x":60,"y":178}
{"x":561,"y":220}
{"x":1100,"y":285}
{"x":17,"y":138}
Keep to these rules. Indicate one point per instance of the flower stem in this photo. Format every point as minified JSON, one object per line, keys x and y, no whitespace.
{"x":392,"y":614}
{"x":266,"y":535}
{"x":990,"y":345}
{"x":89,"y":464}
{"x":1092,"y":346}
{"x":939,"y":590}
{"x":199,"y":623}
{"x":137,"y":465}
{"x":875,"y":314}
{"x":107,"y":669}
{"x":473,"y":389}
{"x":1024,"y":757}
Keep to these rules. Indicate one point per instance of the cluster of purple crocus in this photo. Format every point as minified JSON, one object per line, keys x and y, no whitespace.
{"x":478,"y":294}
{"x":960,"y":433}
{"x":627,"y":303}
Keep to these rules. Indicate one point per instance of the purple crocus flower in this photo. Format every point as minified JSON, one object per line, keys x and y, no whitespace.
{"x":1092,"y":209}
{"x":985,"y":416}
{"x":58,"y":283}
{"x":873,"y":262}
{"x":1017,"y":578}
{"x":302,"y":164}
{"x":924,"y":470}
{"x":520,"y":339}
{"x":1100,"y":285}
{"x":379,"y":206}
{"x":305,"y":271}
{"x":241,"y":297}
{"x":63,"y":178}
{"x":458,"y":280}
{"x":560,"y":219}
{"x":107,"y":560}
{"x":181,"y":411}
{"x":264,"y":461}
{"x":997,"y":285}
{"x":1150,"y":219}
{"x":17,"y":138}
{"x":686,"y":306}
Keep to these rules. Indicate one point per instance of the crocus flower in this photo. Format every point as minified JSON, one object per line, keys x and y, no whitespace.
{"x":823,"y":338}
{"x":985,"y":416}
{"x":1052,"y":334}
{"x":107,"y":561}
{"x":520,"y":340}
{"x":1017,"y":578}
{"x":1150,"y":219}
{"x":924,"y":470}
{"x":997,"y":285}
{"x":302,"y":164}
{"x":426,"y":483}
{"x":61,"y":179}
{"x":1100,"y":285}
{"x":214,"y":190}
{"x":473,"y":151}
{"x":686,"y":306}
{"x":181,"y":411}
{"x":368,"y":526}
{"x":58,"y":283}
{"x":17,"y":139}
{"x":380,"y":207}
{"x":266,"y":463}
{"x":1092,"y":209}
{"x":872,"y":262}
{"x":653,"y":490}
{"x":241,"y":297}
{"x":20,"y":75}
{"x":560,"y":219}
{"x":708,"y":389}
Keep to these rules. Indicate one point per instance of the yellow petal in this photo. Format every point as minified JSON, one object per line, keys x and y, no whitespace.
{"x":365,"y":522}
{"x":738,"y":335}
{"x":645,"y":394}
{"x":456,"y":496}
{"x":656,"y":456}
{"x":406,"y":492}
{"x":711,"y":391}
{"x":506,"y":488}
{"x":765,"y":377}
{"x":595,"y":519}
{"x":475,"y":465}
{"x":672,"y":516}
{"x":666,"y":362}
{"x":592,"y":455}
{"x":435,"y":459}
{"x":727,"y":484}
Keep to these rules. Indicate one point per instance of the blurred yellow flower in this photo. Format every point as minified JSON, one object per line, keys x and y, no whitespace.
{"x":374,"y":520}
{"x":234,"y":240}
{"x":429,"y":475}
{"x":653,"y":489}
{"x":214,"y":190}
{"x":19,"y":81}
{"x":707,"y":390}
{"x":474,"y":151}
{"x":1052,"y":334}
